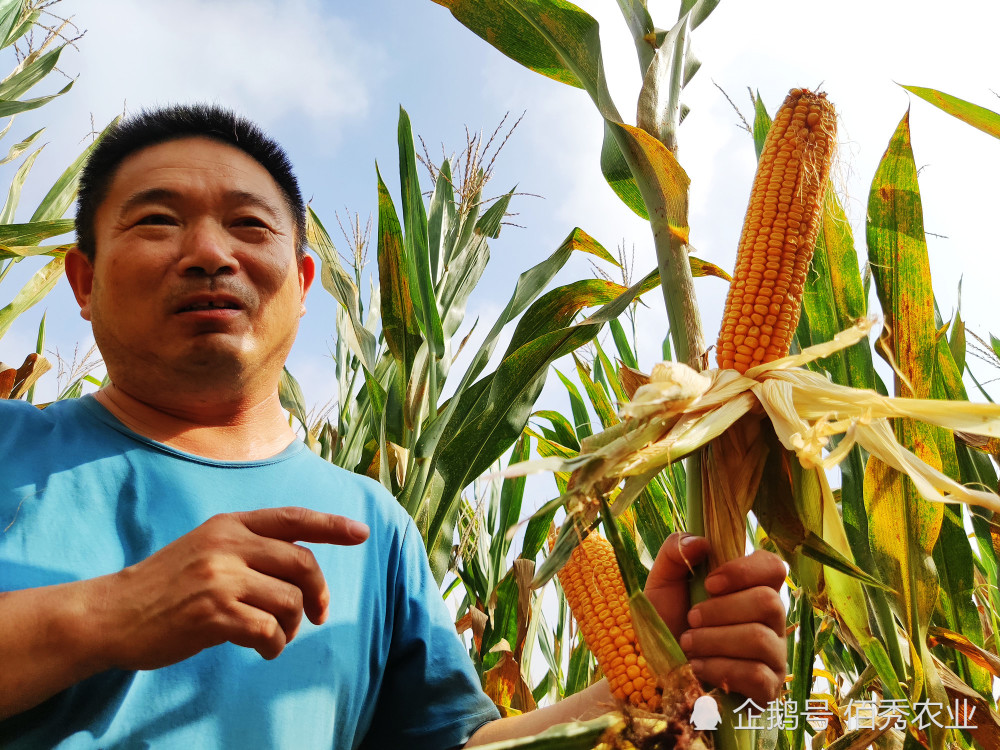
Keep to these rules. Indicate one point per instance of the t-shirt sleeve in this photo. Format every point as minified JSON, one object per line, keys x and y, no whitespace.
{"x":431,"y":696}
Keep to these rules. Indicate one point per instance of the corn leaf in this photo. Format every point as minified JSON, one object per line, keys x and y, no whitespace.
{"x":898,"y":255}
{"x":27,"y":77}
{"x":16,"y":184}
{"x":439,"y":218}
{"x":40,"y":284}
{"x":976,"y":116}
{"x":502,"y":26}
{"x":597,"y":395}
{"x":337,"y":282}
{"x":10,"y":11}
{"x":558,"y":307}
{"x":464,"y":272}
{"x":495,"y":411}
{"x":22,"y":235}
{"x":584,"y":243}
{"x":761,"y":124}
{"x":511,"y":498}
{"x":20,"y":28}
{"x":581,"y":417}
{"x":417,"y":251}
{"x":19,"y":148}
{"x":701,"y":267}
{"x":63,"y":192}
{"x":8,"y":108}
{"x":399,"y":321}
{"x":641,"y":25}
{"x":563,"y":432}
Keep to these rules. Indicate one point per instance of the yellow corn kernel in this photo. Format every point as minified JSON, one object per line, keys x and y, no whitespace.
{"x":779,"y":233}
{"x":596,"y":594}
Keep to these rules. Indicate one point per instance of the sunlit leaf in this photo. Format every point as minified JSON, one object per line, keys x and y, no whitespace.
{"x":976,"y":116}
{"x":40,"y":284}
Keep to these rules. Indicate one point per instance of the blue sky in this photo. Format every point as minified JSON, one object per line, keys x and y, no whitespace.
{"x":327,"y":78}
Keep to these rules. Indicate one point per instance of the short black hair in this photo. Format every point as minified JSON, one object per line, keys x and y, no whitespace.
{"x":153,"y":127}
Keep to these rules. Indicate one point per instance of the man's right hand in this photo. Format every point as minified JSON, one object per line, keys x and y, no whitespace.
{"x":238,"y":577}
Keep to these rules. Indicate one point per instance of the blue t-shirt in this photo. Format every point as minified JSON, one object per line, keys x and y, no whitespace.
{"x":81,"y":496}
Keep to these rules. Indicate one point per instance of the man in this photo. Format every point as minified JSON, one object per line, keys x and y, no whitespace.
{"x":150,"y":532}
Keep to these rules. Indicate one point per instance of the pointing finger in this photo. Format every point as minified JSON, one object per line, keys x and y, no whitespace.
{"x":293,"y":524}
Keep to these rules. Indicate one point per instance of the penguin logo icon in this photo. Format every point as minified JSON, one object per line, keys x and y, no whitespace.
{"x":705,"y":714}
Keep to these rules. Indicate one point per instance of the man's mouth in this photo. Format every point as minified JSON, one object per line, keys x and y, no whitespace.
{"x":211,"y":305}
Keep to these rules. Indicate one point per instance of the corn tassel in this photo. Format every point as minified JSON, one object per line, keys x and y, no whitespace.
{"x":596,"y":594}
{"x":779,"y":233}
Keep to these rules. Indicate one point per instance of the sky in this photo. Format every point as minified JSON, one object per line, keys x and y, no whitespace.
{"x":326,"y":79}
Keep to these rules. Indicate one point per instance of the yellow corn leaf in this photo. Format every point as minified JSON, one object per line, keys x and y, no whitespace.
{"x":959,"y":642}
{"x":505,"y":686}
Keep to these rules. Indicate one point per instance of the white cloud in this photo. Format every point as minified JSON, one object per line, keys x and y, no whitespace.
{"x":272,"y":60}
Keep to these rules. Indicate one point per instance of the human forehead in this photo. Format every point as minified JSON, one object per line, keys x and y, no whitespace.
{"x":192,"y":167}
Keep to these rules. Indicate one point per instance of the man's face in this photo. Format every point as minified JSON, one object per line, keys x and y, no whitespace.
{"x":195,"y":272}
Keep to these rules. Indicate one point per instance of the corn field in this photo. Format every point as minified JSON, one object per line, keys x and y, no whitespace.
{"x":893,"y":603}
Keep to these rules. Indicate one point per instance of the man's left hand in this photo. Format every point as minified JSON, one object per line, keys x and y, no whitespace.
{"x":735,"y":639}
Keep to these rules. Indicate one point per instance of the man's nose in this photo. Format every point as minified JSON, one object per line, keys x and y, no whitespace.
{"x":207,"y":250}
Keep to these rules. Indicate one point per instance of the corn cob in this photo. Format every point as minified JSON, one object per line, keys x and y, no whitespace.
{"x":779,"y":233}
{"x":596,"y":594}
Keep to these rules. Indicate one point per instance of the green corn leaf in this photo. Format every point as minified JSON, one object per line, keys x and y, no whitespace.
{"x":40,"y":284}
{"x":976,"y":116}
{"x":598,"y":396}
{"x":581,"y":417}
{"x":14,"y":192}
{"x":501,"y":25}
{"x":558,"y":308}
{"x":494,"y":413}
{"x":618,"y":173}
{"x":439,"y":219}
{"x":511,"y":497}
{"x":415,"y":226}
{"x":19,"y":148}
{"x":565,"y":435}
{"x":12,"y":108}
{"x":529,"y":285}
{"x":19,"y":83}
{"x":537,"y":531}
{"x":464,"y":273}
{"x":956,"y":342}
{"x":21,"y":235}
{"x":10,"y":12}
{"x":802,"y":665}
{"x":490,"y":222}
{"x":340,"y":285}
{"x":625,"y":353}
{"x":610,"y":374}
{"x":62,"y":194}
{"x":292,"y":400}
{"x":761,"y":124}
{"x":39,"y":350}
{"x":399,"y":319}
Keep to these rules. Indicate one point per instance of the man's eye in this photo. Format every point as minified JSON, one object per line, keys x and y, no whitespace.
{"x":250,"y":221}
{"x":157,"y":219}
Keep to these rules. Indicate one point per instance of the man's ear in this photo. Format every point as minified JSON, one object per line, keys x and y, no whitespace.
{"x":80,"y":274}
{"x":307,"y":273}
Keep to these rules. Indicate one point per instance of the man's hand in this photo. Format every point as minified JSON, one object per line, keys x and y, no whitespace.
{"x":735,"y":639}
{"x":238,"y":577}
